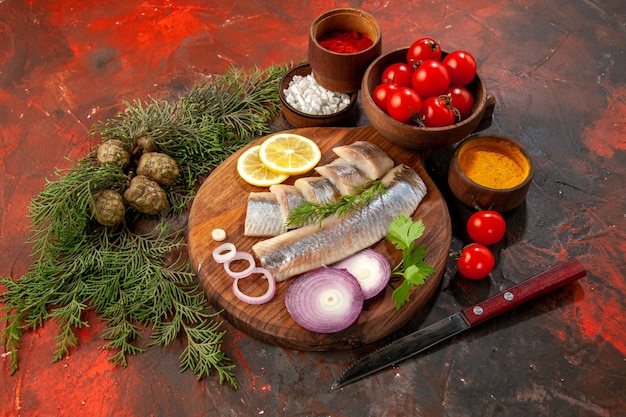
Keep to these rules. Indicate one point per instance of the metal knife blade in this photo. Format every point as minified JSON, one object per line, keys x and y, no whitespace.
{"x":411,"y":344}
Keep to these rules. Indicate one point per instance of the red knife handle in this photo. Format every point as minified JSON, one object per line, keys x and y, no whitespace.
{"x":551,"y":279}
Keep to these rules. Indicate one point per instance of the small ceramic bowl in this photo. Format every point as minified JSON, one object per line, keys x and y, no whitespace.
{"x":342,"y":72}
{"x":298,"y":118}
{"x":490,"y":172}
{"x":412,"y":136}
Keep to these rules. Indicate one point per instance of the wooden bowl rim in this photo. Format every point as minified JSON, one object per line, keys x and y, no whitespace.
{"x":521,"y":186}
{"x":305,"y":69}
{"x":351,"y":11}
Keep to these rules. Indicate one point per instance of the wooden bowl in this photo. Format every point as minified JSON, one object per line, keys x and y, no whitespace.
{"x":415,"y":137}
{"x":298,"y":119}
{"x":509,"y":169}
{"x":342,"y":72}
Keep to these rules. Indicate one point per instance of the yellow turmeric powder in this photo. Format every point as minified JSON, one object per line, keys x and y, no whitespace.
{"x":502,"y":166}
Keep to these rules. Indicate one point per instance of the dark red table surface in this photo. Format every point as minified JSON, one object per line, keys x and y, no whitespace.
{"x":557,"y":71}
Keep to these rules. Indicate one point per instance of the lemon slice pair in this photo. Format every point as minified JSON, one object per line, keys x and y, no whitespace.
{"x":278,"y":157}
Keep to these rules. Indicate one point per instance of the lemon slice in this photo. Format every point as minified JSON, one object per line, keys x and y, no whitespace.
{"x":253,"y":171}
{"x":289,"y":154}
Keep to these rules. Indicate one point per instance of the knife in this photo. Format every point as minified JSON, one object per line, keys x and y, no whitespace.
{"x":411,"y":344}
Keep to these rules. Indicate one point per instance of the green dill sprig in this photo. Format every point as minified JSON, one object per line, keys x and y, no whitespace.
{"x":134,"y":280}
{"x":309,"y":211}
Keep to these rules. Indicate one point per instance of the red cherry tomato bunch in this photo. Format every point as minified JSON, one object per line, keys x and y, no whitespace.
{"x":427,"y":89}
{"x":484,"y":228}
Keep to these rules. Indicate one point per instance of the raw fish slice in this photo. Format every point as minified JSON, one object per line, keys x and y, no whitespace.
{"x":317,"y":189}
{"x":263,"y":216}
{"x":371,"y":160}
{"x":312,"y":246}
{"x":345,"y":176}
{"x":288,"y":198}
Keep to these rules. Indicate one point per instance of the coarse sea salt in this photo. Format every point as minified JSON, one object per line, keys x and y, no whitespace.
{"x":306,"y":95}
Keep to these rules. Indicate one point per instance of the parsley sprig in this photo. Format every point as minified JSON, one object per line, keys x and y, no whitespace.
{"x":404,"y":233}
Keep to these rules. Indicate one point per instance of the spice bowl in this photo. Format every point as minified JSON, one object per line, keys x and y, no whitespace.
{"x":490,"y":172}
{"x":413,"y":136}
{"x":299,"y":118}
{"x":341,"y":70}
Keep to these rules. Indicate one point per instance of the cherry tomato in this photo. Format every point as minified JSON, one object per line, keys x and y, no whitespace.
{"x":381,"y":94}
{"x":437,"y":112}
{"x":431,"y":79}
{"x":461,"y":66}
{"x":422,"y":50}
{"x":398,"y":73}
{"x":476,"y":261}
{"x":404,"y":105}
{"x":461,"y":99}
{"x":486,"y":227}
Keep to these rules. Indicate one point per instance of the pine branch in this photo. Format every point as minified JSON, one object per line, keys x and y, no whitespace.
{"x":125,"y":277}
{"x":203,"y":352}
{"x":69,"y":317}
{"x":205,"y":127}
{"x":60,"y":215}
{"x":11,"y":335}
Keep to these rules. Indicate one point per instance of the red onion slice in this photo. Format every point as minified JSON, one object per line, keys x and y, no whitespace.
{"x":240,"y":256}
{"x":326,"y":300}
{"x":370,"y":268}
{"x":224,"y":252}
{"x":269,"y":294}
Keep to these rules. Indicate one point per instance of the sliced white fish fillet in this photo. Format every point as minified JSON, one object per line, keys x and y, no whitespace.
{"x":369,"y":158}
{"x":344,"y":175}
{"x":263,"y":216}
{"x":312,"y":246}
{"x":288,"y":198}
{"x":317,"y":189}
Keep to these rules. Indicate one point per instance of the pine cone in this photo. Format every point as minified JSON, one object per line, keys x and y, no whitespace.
{"x":108,"y":207}
{"x":145,"y":195}
{"x":146,"y":143}
{"x":113,"y":152}
{"x":159,"y":167}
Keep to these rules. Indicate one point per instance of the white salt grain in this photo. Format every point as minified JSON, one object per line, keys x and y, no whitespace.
{"x":306,"y":95}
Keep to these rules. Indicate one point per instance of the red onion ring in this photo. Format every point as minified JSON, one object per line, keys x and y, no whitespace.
{"x":370,"y":268}
{"x":269,"y":294}
{"x":240,"y":256}
{"x":326,"y":300}
{"x":224,"y":252}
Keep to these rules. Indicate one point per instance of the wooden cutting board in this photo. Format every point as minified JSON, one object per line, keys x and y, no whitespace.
{"x":221,"y":203}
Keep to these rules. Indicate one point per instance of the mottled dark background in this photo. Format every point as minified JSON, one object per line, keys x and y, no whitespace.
{"x":556,"y":69}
